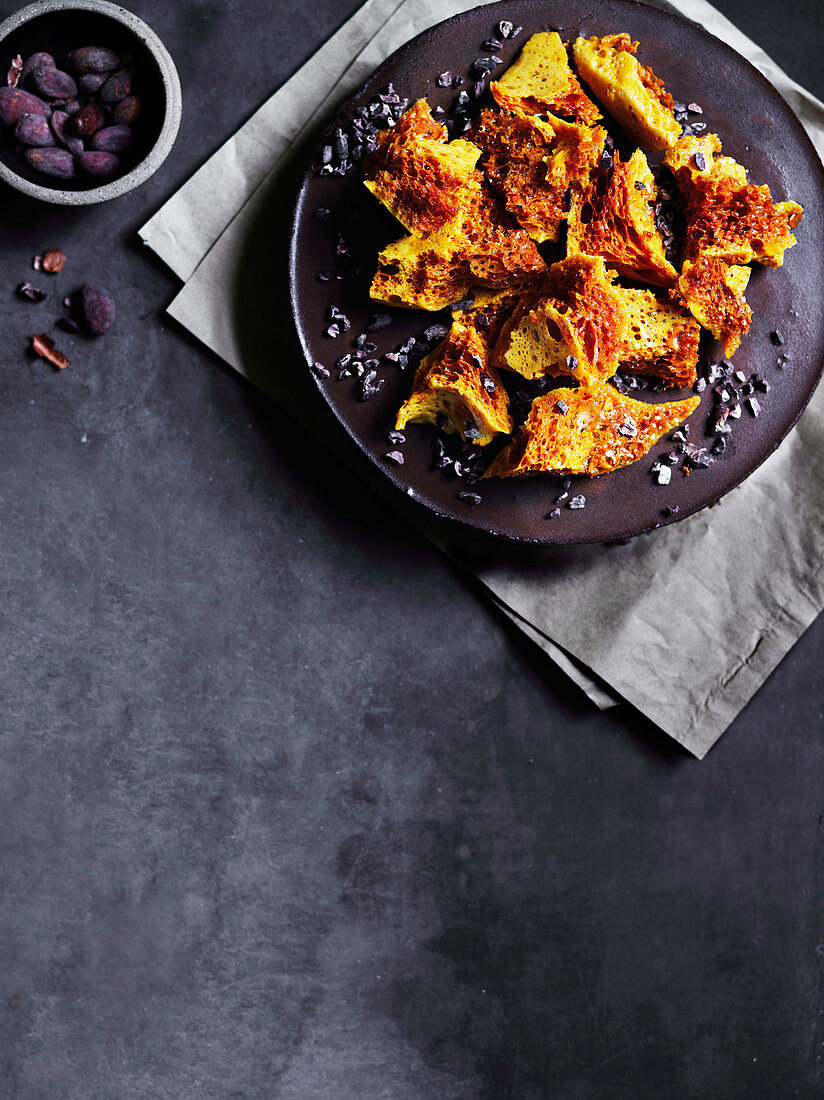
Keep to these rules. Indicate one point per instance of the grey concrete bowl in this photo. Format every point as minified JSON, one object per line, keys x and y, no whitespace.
{"x":58,"y":26}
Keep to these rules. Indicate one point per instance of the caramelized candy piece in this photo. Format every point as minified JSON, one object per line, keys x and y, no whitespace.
{"x":457,"y":381}
{"x":631,"y":92}
{"x":662,"y":341}
{"x":479,"y":247}
{"x":714,"y":293}
{"x":618,"y":222}
{"x":541,"y":80}
{"x":727,"y":217}
{"x":589,"y":431}
{"x":575,"y":323}
{"x":490,"y":311}
{"x":417,"y":176}
{"x":532,"y":164}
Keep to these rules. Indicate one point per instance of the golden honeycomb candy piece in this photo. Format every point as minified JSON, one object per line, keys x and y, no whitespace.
{"x":418,"y":175}
{"x":617,"y":222}
{"x":457,"y":381}
{"x":541,"y":80}
{"x":728,"y":218}
{"x":532,"y":163}
{"x":586,"y":431}
{"x":713,"y":291}
{"x":479,"y":247}
{"x":662,"y":341}
{"x":573,"y":321}
{"x":631,"y":92}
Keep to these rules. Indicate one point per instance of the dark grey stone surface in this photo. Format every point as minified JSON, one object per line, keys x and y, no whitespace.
{"x":285,"y":810}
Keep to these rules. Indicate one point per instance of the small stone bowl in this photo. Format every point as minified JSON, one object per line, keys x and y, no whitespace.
{"x":58,"y":26}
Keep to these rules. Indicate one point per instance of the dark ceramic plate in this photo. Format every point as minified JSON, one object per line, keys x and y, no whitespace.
{"x":755,"y":126}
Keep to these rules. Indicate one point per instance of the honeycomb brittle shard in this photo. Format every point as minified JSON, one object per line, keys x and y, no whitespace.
{"x":457,"y":382}
{"x":615,"y":218}
{"x":418,"y":175}
{"x":728,"y":218}
{"x":586,"y":431}
{"x":532,"y":163}
{"x":630,"y":91}
{"x":480,"y":247}
{"x":541,"y":80}
{"x":573,"y":321}
{"x":662,"y":341}
{"x":713,"y":291}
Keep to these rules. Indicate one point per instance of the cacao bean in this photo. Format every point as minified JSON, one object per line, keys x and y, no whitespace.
{"x":14,"y":103}
{"x":58,"y":125}
{"x":37,"y":61}
{"x":53,"y":83}
{"x":112,"y":139}
{"x":96,"y":307}
{"x":99,"y":166}
{"x":92,"y":59}
{"x":34,"y":130}
{"x":127,"y":111}
{"x":51,"y":162}
{"x":87,"y":121}
{"x":89,"y":83}
{"x":117,"y":87}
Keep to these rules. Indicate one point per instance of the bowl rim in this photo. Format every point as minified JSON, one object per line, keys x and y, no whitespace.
{"x":171,"y":120}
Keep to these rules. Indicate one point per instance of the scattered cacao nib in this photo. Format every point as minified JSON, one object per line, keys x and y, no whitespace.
{"x":629,"y":428}
{"x":323,"y":276}
{"x":492,"y":44}
{"x":370,"y":386}
{"x":698,"y":458}
{"x":553,"y":514}
{"x":37,"y":263}
{"x":435,"y":333}
{"x":671,"y":510}
{"x":754,"y":405}
{"x":395,"y":437}
{"x":469,"y":498}
{"x":471,"y":432}
{"x":700,"y":162}
{"x":483,"y":66}
{"x":444,"y":80}
{"x":572,"y":363}
{"x":463,"y":304}
{"x":320,"y":370}
{"x":15,"y":69}
{"x":43,"y":346}
{"x":640,"y":185}
{"x":562,"y":407}
{"x":720,"y":445}
{"x":777,"y":337}
{"x":578,"y":501}
{"x":53,"y":261}
{"x":339,"y":322}
{"x":695,"y":108}
{"x":33,"y":293}
{"x":395,"y":458}
{"x":457,"y":81}
{"x":663,"y":474}
{"x":488,"y":383}
{"x":379,"y":321}
{"x":506,"y":29}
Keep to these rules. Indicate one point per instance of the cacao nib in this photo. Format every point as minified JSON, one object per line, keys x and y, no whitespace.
{"x":43,"y":346}
{"x":33,"y":293}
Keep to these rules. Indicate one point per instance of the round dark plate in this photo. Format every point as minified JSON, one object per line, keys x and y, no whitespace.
{"x":755,"y":126}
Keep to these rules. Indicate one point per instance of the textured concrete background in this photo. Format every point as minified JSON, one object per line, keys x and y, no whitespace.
{"x":285,"y":810}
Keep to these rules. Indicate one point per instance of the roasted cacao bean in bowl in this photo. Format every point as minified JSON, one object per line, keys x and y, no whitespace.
{"x":59,"y":27}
